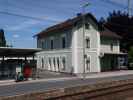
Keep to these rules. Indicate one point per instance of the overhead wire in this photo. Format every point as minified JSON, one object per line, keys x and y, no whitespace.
{"x":24,"y":8}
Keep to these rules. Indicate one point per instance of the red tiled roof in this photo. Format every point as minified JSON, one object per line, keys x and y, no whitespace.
{"x":64,"y":25}
{"x":70,"y":22}
{"x":108,"y":33}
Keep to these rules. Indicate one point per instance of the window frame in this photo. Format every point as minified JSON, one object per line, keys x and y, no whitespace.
{"x":88,"y":68}
{"x":111,"y":46}
{"x":51,"y":44}
{"x":87,"y":43}
{"x":87,"y":26}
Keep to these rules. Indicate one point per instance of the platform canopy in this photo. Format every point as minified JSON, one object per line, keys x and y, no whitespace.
{"x":18,"y":52}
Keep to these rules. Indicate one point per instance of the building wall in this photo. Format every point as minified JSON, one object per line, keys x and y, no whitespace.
{"x":57,"y":40}
{"x":106,"y":45}
{"x":58,"y":65}
{"x":73,"y":53}
{"x":92,"y":52}
{"x":57,"y":54}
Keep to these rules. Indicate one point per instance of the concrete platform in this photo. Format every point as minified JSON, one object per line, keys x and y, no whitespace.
{"x":68,"y":77}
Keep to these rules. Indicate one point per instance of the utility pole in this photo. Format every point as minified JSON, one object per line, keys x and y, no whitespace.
{"x":129,"y":8}
{"x":83,"y":25}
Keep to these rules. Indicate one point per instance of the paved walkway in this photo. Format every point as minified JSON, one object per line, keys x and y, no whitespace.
{"x":109,"y":74}
{"x":87,"y":76}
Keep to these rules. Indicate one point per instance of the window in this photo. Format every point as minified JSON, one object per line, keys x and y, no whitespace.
{"x":52,"y":44}
{"x":42,"y":63}
{"x":88,"y":63}
{"x":42,"y":44}
{"x":63,"y":63}
{"x":49,"y":63}
{"x":111,"y":46}
{"x":54,"y":62}
{"x":87,"y":26}
{"x":58,"y":63}
{"x":87,"y":42}
{"x":63,"y":42}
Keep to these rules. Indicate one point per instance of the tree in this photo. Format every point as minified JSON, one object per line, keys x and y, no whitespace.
{"x":120,"y":23}
{"x":130,"y":54}
{"x":2,"y":38}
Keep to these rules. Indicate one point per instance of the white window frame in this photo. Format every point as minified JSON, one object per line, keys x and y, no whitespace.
{"x":63,"y":36}
{"x":86,"y":67}
{"x":51,"y":39}
{"x":86,"y":46}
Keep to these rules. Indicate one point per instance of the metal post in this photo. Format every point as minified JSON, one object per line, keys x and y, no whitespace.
{"x":83,"y":23}
{"x":129,"y":8}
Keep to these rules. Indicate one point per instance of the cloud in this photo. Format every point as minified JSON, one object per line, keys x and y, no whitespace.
{"x":23,"y":25}
{"x":16,"y":36}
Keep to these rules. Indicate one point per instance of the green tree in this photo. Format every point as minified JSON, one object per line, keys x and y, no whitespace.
{"x":130,"y":54}
{"x":2,"y":38}
{"x":120,"y":23}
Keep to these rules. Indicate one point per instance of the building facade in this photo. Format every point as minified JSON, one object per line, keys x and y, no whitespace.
{"x":77,"y":47}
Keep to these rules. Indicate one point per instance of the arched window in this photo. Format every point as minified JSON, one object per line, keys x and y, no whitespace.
{"x":42,"y":63}
{"x":54,"y":62}
{"x":49,"y":63}
{"x":64,"y":63}
{"x":58,"y":63}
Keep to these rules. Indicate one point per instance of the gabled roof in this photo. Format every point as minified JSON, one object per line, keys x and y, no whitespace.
{"x":65,"y":25}
{"x":107,"y":33}
{"x":70,"y":22}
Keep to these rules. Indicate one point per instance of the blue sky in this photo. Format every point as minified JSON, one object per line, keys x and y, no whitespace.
{"x":19,"y":30}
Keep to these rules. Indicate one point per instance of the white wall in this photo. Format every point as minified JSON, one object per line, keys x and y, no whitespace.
{"x":106,"y":45}
{"x":93,"y":52}
{"x":46,"y":55}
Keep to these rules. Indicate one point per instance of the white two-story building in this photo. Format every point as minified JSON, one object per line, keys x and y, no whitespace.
{"x":74,"y":47}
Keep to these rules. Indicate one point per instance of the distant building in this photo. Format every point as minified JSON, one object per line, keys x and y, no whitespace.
{"x":63,"y":48}
{"x":2,"y":38}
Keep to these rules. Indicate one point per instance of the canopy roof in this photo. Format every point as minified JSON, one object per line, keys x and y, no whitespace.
{"x":17,"y":52}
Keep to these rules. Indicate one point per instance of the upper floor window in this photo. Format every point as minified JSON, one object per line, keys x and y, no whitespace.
{"x":43,"y":44}
{"x":63,"y":42}
{"x":87,"y":26}
{"x":52,"y":44}
{"x":87,"y":42}
{"x":111,"y":46}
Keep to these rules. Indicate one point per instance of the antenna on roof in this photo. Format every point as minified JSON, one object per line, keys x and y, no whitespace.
{"x":129,"y":8}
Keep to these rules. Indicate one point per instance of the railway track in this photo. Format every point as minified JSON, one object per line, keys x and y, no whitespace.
{"x":111,"y":90}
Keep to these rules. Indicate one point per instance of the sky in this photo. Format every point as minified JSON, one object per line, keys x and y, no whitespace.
{"x":22,"y":19}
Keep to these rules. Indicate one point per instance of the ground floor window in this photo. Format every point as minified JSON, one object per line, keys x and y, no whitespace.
{"x":58,"y":62}
{"x":88,"y":63}
{"x":50,"y":63}
{"x":54,"y":63}
{"x":63,"y":63}
{"x":42,"y":63}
